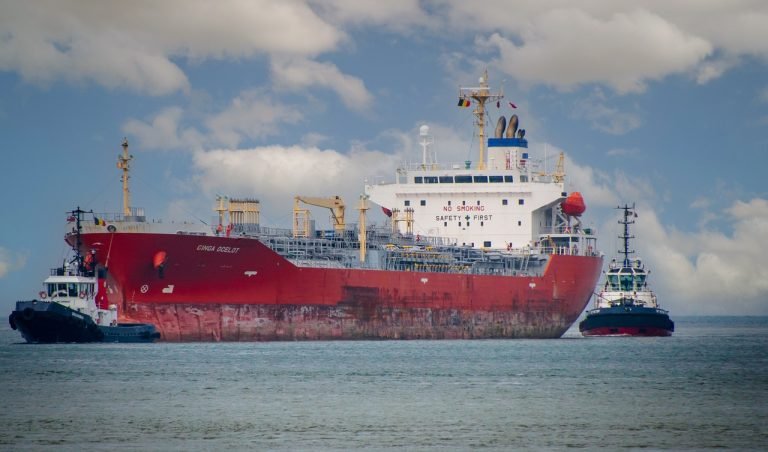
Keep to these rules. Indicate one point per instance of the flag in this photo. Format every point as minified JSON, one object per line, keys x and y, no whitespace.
{"x":99,"y":221}
{"x":512,"y":105}
{"x":71,"y":219}
{"x":387,"y":212}
{"x":464,"y":102}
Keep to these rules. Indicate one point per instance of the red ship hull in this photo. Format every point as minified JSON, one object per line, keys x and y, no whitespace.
{"x":212,"y":288}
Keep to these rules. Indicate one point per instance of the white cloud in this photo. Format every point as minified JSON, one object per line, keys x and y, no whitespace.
{"x":399,"y":15}
{"x":299,"y":73}
{"x":606,"y":119}
{"x":10,"y":261}
{"x":708,"y":272}
{"x":569,"y":47}
{"x":133,"y":44}
{"x":275,"y":174}
{"x":252,"y":114}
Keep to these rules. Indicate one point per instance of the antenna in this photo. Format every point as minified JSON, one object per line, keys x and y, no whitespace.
{"x":124,"y":163}
{"x":628,"y":212}
{"x":425,"y":139}
{"x":481,"y":95}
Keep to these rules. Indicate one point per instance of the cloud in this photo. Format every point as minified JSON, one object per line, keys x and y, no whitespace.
{"x":10,"y":261}
{"x":300,"y":73}
{"x":401,"y":15}
{"x":134,"y":44}
{"x":252,"y":114}
{"x":604,"y":118}
{"x":569,"y":47}
{"x":275,"y":174}
{"x":709,"y":272}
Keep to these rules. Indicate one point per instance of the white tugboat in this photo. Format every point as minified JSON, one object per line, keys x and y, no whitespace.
{"x":626,"y":306}
{"x":72,"y":307}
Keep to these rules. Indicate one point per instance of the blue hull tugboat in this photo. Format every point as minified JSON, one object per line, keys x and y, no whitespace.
{"x":73,"y":307}
{"x":626,"y":306}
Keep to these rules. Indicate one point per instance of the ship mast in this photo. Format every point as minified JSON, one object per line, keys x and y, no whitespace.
{"x":481,"y":95}
{"x":628,"y":212}
{"x":124,"y":163}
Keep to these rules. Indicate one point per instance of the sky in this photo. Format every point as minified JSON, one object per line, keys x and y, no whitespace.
{"x":660,"y":104}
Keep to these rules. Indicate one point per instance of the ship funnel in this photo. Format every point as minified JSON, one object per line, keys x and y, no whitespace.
{"x":512,"y":129}
{"x":500,"y":126}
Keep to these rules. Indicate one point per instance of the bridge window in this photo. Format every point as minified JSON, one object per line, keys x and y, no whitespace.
{"x":481,"y":179}
{"x":446,"y":179}
{"x":504,"y":202}
{"x":521,"y":201}
{"x":72,"y":289}
{"x":423,"y":202}
{"x":407,"y":203}
{"x":523,"y":178}
{"x":430,"y":179}
{"x":508,"y":179}
{"x":487,"y":244}
{"x":493,"y":179}
{"x":418,"y":179}
{"x":463,"y":179}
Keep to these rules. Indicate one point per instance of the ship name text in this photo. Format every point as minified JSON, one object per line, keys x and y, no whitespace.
{"x":218,"y":249}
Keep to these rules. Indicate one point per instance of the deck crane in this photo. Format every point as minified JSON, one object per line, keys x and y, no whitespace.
{"x":301,"y":215}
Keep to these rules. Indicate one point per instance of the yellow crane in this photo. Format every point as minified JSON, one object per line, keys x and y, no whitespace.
{"x":301,"y":215}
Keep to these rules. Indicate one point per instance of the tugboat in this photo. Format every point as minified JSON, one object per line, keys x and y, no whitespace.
{"x":73,"y":307}
{"x":626,"y":306}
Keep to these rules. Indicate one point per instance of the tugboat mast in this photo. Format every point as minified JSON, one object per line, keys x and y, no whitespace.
{"x":628,"y":212}
{"x":481,"y":95}
{"x":124,"y":163}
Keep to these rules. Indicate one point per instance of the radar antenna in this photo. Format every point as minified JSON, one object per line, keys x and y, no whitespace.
{"x":124,"y":163}
{"x":629,"y":212}
{"x":481,"y":95}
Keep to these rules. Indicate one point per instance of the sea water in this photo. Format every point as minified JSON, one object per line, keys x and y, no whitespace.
{"x":704,"y":387}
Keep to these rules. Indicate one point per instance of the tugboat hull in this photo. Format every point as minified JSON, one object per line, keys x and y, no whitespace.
{"x":50,"y":322}
{"x":627,"y":322}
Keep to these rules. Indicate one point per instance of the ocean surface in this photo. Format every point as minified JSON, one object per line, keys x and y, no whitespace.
{"x":705,"y":387}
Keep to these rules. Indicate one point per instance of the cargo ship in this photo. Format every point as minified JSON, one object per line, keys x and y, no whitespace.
{"x":493,"y":248}
{"x":626,"y":306}
{"x":73,"y":306}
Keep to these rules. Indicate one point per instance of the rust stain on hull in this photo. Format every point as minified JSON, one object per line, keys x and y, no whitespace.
{"x":301,"y":322}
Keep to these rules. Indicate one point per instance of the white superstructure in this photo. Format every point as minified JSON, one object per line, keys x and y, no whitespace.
{"x":499,"y":202}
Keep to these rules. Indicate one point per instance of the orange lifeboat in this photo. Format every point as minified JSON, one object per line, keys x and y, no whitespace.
{"x":573,"y":206}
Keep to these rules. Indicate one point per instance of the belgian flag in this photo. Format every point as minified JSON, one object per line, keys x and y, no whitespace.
{"x":464,"y":102}
{"x":99,"y":221}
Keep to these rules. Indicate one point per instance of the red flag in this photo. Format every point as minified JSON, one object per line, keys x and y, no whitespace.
{"x":512,"y":105}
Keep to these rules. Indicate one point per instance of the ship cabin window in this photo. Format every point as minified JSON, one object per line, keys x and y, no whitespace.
{"x":423,"y":202}
{"x":640,"y":280}
{"x":521,"y":201}
{"x":407,"y":203}
{"x":463,"y":179}
{"x":496,"y":179}
{"x":463,"y":203}
{"x":449,"y":203}
{"x":445,"y":224}
{"x":613,"y":281}
{"x":482,"y":223}
{"x":625,"y":281}
{"x":418,"y":179}
{"x":481,"y":179}
{"x":430,"y":179}
{"x":504,"y":202}
{"x":523,"y":178}
{"x":519,"y":223}
{"x":446,"y":179}
{"x":478,"y":203}
{"x":487,"y":244}
{"x":508,"y":179}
